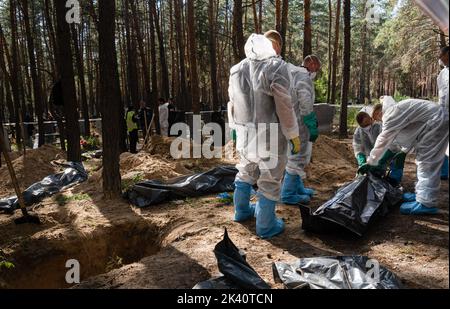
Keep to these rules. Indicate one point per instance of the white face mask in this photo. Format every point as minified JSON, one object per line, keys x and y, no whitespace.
{"x":313,"y":75}
{"x":441,"y":63}
{"x":367,"y":129}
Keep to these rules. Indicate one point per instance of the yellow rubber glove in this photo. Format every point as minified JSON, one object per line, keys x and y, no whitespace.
{"x":295,"y":145}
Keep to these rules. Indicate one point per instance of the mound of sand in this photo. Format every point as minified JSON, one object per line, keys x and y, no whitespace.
{"x":150,"y":166}
{"x":29,"y":169}
{"x":159,"y":145}
{"x":327,"y":149}
{"x":333,"y":163}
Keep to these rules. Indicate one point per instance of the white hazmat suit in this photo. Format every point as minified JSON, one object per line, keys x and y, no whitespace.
{"x":442,"y":83}
{"x":259,"y":94}
{"x":303,"y":98}
{"x":423,"y":125}
{"x":364,"y":139}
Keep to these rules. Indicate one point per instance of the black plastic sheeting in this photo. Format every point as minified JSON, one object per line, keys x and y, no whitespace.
{"x":95,"y":154}
{"x":353,"y":207}
{"x":344,"y":272}
{"x":50,"y":185}
{"x":153,"y":192}
{"x":237,"y":273}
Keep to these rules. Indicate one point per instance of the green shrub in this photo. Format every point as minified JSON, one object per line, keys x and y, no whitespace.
{"x":128,"y":183}
{"x":399,"y":97}
{"x":62,"y":199}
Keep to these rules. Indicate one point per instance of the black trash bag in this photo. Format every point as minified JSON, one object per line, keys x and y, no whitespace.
{"x":343,"y":272}
{"x":95,"y":154}
{"x":237,"y":273}
{"x":354,"y":206}
{"x":50,"y":185}
{"x":152,"y":192}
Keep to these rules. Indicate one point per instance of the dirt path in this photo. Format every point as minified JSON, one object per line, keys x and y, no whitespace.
{"x":171,"y":245}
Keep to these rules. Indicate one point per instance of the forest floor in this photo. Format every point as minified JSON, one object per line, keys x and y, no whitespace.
{"x":171,"y":245}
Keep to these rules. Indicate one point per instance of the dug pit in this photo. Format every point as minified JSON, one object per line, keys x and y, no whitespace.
{"x":40,"y":262}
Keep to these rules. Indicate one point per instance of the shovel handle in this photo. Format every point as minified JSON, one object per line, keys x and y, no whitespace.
{"x":13,"y":175}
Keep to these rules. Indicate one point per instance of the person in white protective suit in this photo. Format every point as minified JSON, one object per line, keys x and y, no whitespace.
{"x":303,"y":97}
{"x":423,"y":125}
{"x":442,"y":83}
{"x":365,"y":137}
{"x":164,"y":117}
{"x":260,"y":110}
{"x":377,"y":113}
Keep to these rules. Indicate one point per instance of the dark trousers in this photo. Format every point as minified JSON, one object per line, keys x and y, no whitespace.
{"x":133,"y":137}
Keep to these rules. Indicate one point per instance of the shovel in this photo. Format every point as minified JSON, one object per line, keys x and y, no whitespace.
{"x":26,"y":218}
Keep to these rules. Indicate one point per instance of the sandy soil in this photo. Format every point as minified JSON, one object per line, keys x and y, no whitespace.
{"x":35,"y":165}
{"x":171,"y":245}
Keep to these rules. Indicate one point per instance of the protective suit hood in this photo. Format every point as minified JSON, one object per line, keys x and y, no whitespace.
{"x":367,"y":109}
{"x":258,"y":47}
{"x":388,"y":102}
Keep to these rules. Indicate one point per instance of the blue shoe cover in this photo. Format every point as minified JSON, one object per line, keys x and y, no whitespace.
{"x":304,"y":191}
{"x":267,"y":224}
{"x":289,"y":191}
{"x":416,"y":208}
{"x":243,"y":209}
{"x":409,"y":197}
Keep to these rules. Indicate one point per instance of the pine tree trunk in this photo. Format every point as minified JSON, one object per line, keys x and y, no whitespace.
{"x":213,"y":56}
{"x":90,"y":74}
{"x":68,"y":83}
{"x":173,"y":51}
{"x":307,"y":41}
{"x":37,"y":91}
{"x":8,"y":82}
{"x":238,"y":32}
{"x":81,"y":78}
{"x":155,"y":92}
{"x":330,"y":61}
{"x":165,"y":91}
{"x":16,"y":77}
{"x":182,"y":94}
{"x":284,"y":25}
{"x":133,"y":79}
{"x":346,"y":69}
{"x":335,"y":53}
{"x":51,"y":34}
{"x":255,"y":17}
{"x":110,"y":100}
{"x":261,"y":3}
{"x":369,"y":70}
{"x":193,"y":57}
{"x":142,"y":54}
{"x":363,"y":65}
{"x":278,"y":15}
